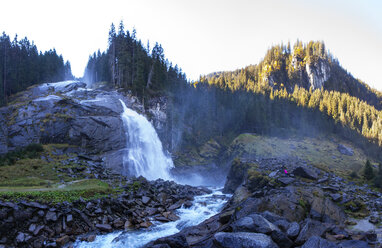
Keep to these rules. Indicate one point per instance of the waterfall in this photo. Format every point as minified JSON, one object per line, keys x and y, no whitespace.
{"x":145,"y":156}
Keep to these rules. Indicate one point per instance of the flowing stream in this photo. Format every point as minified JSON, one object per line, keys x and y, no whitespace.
{"x":145,"y":157}
{"x":203,"y":207}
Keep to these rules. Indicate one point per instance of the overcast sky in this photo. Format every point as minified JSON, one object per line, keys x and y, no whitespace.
{"x":203,"y":36}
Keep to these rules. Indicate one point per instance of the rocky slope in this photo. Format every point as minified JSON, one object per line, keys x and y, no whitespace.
{"x":70,"y":113}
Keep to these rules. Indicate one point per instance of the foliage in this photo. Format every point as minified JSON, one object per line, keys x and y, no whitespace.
{"x":22,"y":66}
{"x":31,"y":151}
{"x":127,"y":64}
{"x":368,"y":172}
{"x":378,"y":178}
{"x":87,"y":190}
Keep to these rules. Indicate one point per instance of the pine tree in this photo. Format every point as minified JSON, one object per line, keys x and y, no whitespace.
{"x":368,"y":172}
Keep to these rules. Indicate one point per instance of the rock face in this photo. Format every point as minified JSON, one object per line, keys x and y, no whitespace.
{"x":318,"y":73}
{"x":68,"y":112}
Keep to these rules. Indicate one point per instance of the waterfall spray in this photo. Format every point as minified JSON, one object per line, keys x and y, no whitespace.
{"x":145,"y":156}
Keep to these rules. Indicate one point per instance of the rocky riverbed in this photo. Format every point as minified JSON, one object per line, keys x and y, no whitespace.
{"x":302,"y":208}
{"x":32,"y":224}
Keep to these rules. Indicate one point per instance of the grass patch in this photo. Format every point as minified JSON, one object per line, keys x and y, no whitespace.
{"x":320,"y":152}
{"x":87,"y":190}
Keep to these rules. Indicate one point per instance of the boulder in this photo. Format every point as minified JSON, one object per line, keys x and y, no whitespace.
{"x":281,"y":239}
{"x":353,"y":244}
{"x":345,"y":150}
{"x":305,"y":173}
{"x":285,"y":180}
{"x":293,"y":230}
{"x":243,"y":240}
{"x":310,"y":228}
{"x":104,"y":227}
{"x":317,"y":242}
{"x":253,"y":223}
{"x":145,"y":199}
{"x":51,"y":216}
{"x":173,"y":241}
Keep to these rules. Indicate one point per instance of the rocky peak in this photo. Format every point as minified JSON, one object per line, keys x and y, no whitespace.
{"x":318,"y":72}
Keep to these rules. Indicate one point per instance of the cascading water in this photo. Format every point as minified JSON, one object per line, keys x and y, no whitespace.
{"x":145,"y":156}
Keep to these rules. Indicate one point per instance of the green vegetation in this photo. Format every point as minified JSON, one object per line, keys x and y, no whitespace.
{"x":31,"y":151}
{"x":87,"y":190}
{"x":31,"y":177}
{"x":320,"y":151}
{"x":128,"y":64}
{"x":368,"y":172}
{"x":23,"y":66}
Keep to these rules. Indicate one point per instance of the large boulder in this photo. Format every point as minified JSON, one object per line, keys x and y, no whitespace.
{"x":305,"y":173}
{"x":243,"y":240}
{"x":254,"y":223}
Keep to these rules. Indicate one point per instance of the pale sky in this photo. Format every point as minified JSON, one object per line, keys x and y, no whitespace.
{"x":204,"y":36}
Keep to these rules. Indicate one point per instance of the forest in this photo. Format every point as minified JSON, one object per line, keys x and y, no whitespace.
{"x":275,"y":96}
{"x":22,"y":65}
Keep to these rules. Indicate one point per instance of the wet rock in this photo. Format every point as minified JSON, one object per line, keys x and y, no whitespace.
{"x":145,"y":224}
{"x":104,"y":227}
{"x":173,"y":241}
{"x":317,"y":242}
{"x":305,"y":173}
{"x":91,"y":238}
{"x":243,"y":240}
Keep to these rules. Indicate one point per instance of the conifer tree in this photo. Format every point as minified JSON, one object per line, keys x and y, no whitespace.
{"x":368,"y":172}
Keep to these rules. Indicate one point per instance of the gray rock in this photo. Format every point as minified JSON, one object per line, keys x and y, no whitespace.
{"x":286,"y":180}
{"x":293,"y":230}
{"x":281,"y":239}
{"x":104,"y":227}
{"x":145,"y":199}
{"x":317,"y":242}
{"x":51,"y":216}
{"x":69,"y":218}
{"x":243,"y":240}
{"x":305,"y":173}
{"x":310,"y":228}
{"x":353,"y":244}
{"x":253,"y":223}
{"x":336,"y":197}
{"x":345,"y":150}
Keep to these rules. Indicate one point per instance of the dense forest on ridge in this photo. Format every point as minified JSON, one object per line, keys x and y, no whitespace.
{"x":22,"y":65}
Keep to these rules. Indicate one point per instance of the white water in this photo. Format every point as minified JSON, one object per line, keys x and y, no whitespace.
{"x":145,"y":155}
{"x":203,"y":208}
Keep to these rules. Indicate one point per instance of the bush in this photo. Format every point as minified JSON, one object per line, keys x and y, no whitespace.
{"x":368,"y":172}
{"x":30,"y":151}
